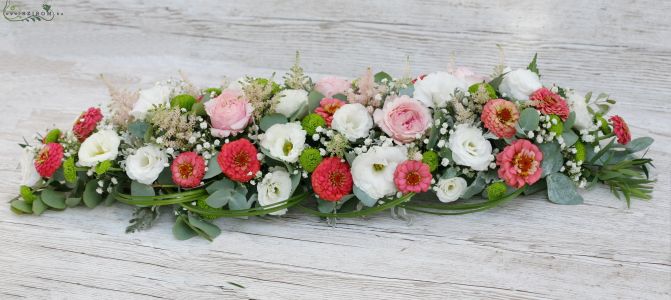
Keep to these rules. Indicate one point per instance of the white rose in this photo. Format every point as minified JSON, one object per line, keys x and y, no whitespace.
{"x":149,"y":98}
{"x":450,"y":189}
{"x":291,"y":102}
{"x":29,"y":175}
{"x":284,"y":141}
{"x":353,"y":121}
{"x":470,"y":148}
{"x":520,"y":84}
{"x":577,"y":104}
{"x":146,"y":164}
{"x":373,"y":171}
{"x":438,"y":88}
{"x":274,"y":188}
{"x":100,"y":146}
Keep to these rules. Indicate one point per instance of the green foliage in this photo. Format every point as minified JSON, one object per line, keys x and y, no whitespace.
{"x":639,"y":144}
{"x":269,"y":120}
{"x":213,"y":168}
{"x":627,"y":178}
{"x":314,"y":98}
{"x":52,"y":136}
{"x":570,"y":138}
{"x":143,"y":218}
{"x":310,"y":159}
{"x":185,"y":101}
{"x":311,"y":122}
{"x":91,"y":197}
{"x":557,"y":126}
{"x":562,"y":190}
{"x":70,"y":170}
{"x":202,"y":204}
{"x":489,"y":88}
{"x":496,"y":190}
{"x":380,"y":76}
{"x":138,"y":129}
{"x":38,"y":206}
{"x":529,"y":119}
{"x":216,"y":91}
{"x":475,"y":187}
{"x":226,"y":192}
{"x":605,"y":128}
{"x":21,"y":207}
{"x":140,"y":189}
{"x":581,"y":153}
{"x":198,"y":109}
{"x":53,"y":199}
{"x":533,"y":66}
{"x":431,"y":159}
{"x":363,"y":197}
{"x":103,"y":167}
{"x":27,"y":194}
{"x":552,"y":158}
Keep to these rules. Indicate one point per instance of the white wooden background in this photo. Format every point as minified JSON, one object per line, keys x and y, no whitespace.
{"x":527,"y":249}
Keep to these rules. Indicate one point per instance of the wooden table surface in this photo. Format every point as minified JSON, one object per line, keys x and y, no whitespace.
{"x":527,"y":249}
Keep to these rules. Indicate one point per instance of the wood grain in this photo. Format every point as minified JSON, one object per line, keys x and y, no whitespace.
{"x":527,"y":249}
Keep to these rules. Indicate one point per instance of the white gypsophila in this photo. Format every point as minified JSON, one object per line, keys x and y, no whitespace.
{"x":436,"y":89}
{"x":519,"y":84}
{"x":284,"y":141}
{"x":578,"y":105}
{"x":450,"y":189}
{"x":353,"y":121}
{"x":29,"y":175}
{"x":274,"y":188}
{"x":149,"y":98}
{"x":146,"y":164}
{"x":470,"y":148}
{"x":291,"y":102}
{"x":100,"y":146}
{"x":373,"y":171}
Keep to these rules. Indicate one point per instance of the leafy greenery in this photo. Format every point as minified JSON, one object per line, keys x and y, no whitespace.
{"x":533,"y":65}
{"x":561,"y":190}
{"x":143,"y":218}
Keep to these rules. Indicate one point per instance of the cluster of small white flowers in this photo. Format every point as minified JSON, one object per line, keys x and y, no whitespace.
{"x":586,"y":136}
{"x":573,"y":167}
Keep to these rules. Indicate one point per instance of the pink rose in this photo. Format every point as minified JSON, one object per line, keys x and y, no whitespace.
{"x":329,"y":86}
{"x":403,"y":118}
{"x":229,"y":113}
{"x":468,"y":76}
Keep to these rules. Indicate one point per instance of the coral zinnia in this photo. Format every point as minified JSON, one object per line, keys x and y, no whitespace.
{"x":520,"y":163}
{"x":621,"y":130}
{"x":238,"y":160}
{"x":412,"y":176}
{"x":49,"y":159}
{"x":550,"y":103}
{"x":332,"y":180}
{"x":327,"y":107}
{"x":86,"y":123}
{"x":500,"y":117}
{"x":188,"y":169}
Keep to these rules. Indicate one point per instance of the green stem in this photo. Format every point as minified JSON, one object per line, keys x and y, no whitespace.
{"x":601,"y":138}
{"x":360,"y":213}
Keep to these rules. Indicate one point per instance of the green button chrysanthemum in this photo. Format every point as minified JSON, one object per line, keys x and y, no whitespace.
{"x":496,"y":191}
{"x":431,"y":159}
{"x":580,"y":154}
{"x":103,"y":166}
{"x":185,"y":101}
{"x":27,"y":194}
{"x":69,"y":170}
{"x":52,"y":136}
{"x":311,"y":122}
{"x":202,"y":204}
{"x":310,"y":159}
{"x":557,"y":125}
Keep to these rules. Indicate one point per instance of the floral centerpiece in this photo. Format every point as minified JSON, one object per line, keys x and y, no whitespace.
{"x":450,"y":142}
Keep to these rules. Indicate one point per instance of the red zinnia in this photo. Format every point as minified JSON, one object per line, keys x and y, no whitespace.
{"x":238,"y":160}
{"x":327,"y":107}
{"x":621,"y":130}
{"x":550,"y":103}
{"x":188,"y":169}
{"x":86,"y":123}
{"x":412,"y":176}
{"x":332,"y":180}
{"x":49,"y":159}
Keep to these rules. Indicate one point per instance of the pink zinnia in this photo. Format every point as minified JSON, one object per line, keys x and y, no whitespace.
{"x":520,"y":163}
{"x":49,"y":159}
{"x":238,"y":160}
{"x":332,"y":179}
{"x":412,"y":176}
{"x":86,"y":123}
{"x":500,"y":117}
{"x":188,"y":169}
{"x":550,"y":103}
{"x":327,"y":107}
{"x":621,"y":130}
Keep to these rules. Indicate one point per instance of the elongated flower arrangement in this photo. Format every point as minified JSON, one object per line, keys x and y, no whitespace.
{"x":446,"y":143}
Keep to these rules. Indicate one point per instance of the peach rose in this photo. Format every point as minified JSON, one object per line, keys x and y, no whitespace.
{"x":229,"y":113}
{"x":403,"y":118}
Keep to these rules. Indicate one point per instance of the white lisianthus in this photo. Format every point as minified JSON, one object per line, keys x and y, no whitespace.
{"x":149,"y":98}
{"x":291,"y":102}
{"x":284,"y":141}
{"x":100,"y":146}
{"x":274,"y":188}
{"x":353,"y":121}
{"x":146,"y":164}
{"x":438,"y":88}
{"x":520,"y":84}
{"x":450,"y":189}
{"x":29,"y":175}
{"x":373,"y":171}
{"x":577,"y":104}
{"x":470,"y":148}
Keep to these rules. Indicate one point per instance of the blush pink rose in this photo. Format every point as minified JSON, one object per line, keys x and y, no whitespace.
{"x":229,"y":113}
{"x":329,"y":86}
{"x":403,"y":118}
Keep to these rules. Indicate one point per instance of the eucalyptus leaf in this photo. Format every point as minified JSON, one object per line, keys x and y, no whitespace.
{"x":409,"y":91}
{"x":238,"y":200}
{"x":206,"y":227}
{"x":53,"y":199}
{"x":219,"y":198}
{"x":552,"y":158}
{"x":561,"y":190}
{"x":221,"y":184}
{"x":295,"y":180}
{"x":181,"y":230}
{"x":269,"y":120}
{"x":138,"y":129}
{"x":139,"y":189}
{"x":570,"y":138}
{"x":22,"y":207}
{"x":73,"y":201}
{"x":38,"y":206}
{"x":213,"y":168}
{"x":529,"y":119}
{"x":165,"y":177}
{"x":325,"y":206}
{"x":340,"y":97}
{"x":90,"y":197}
{"x":639,"y":144}
{"x":314,"y":98}
{"x":476,"y":187}
{"x":363,"y":197}
{"x":570,"y":121}
{"x":379,"y":76}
